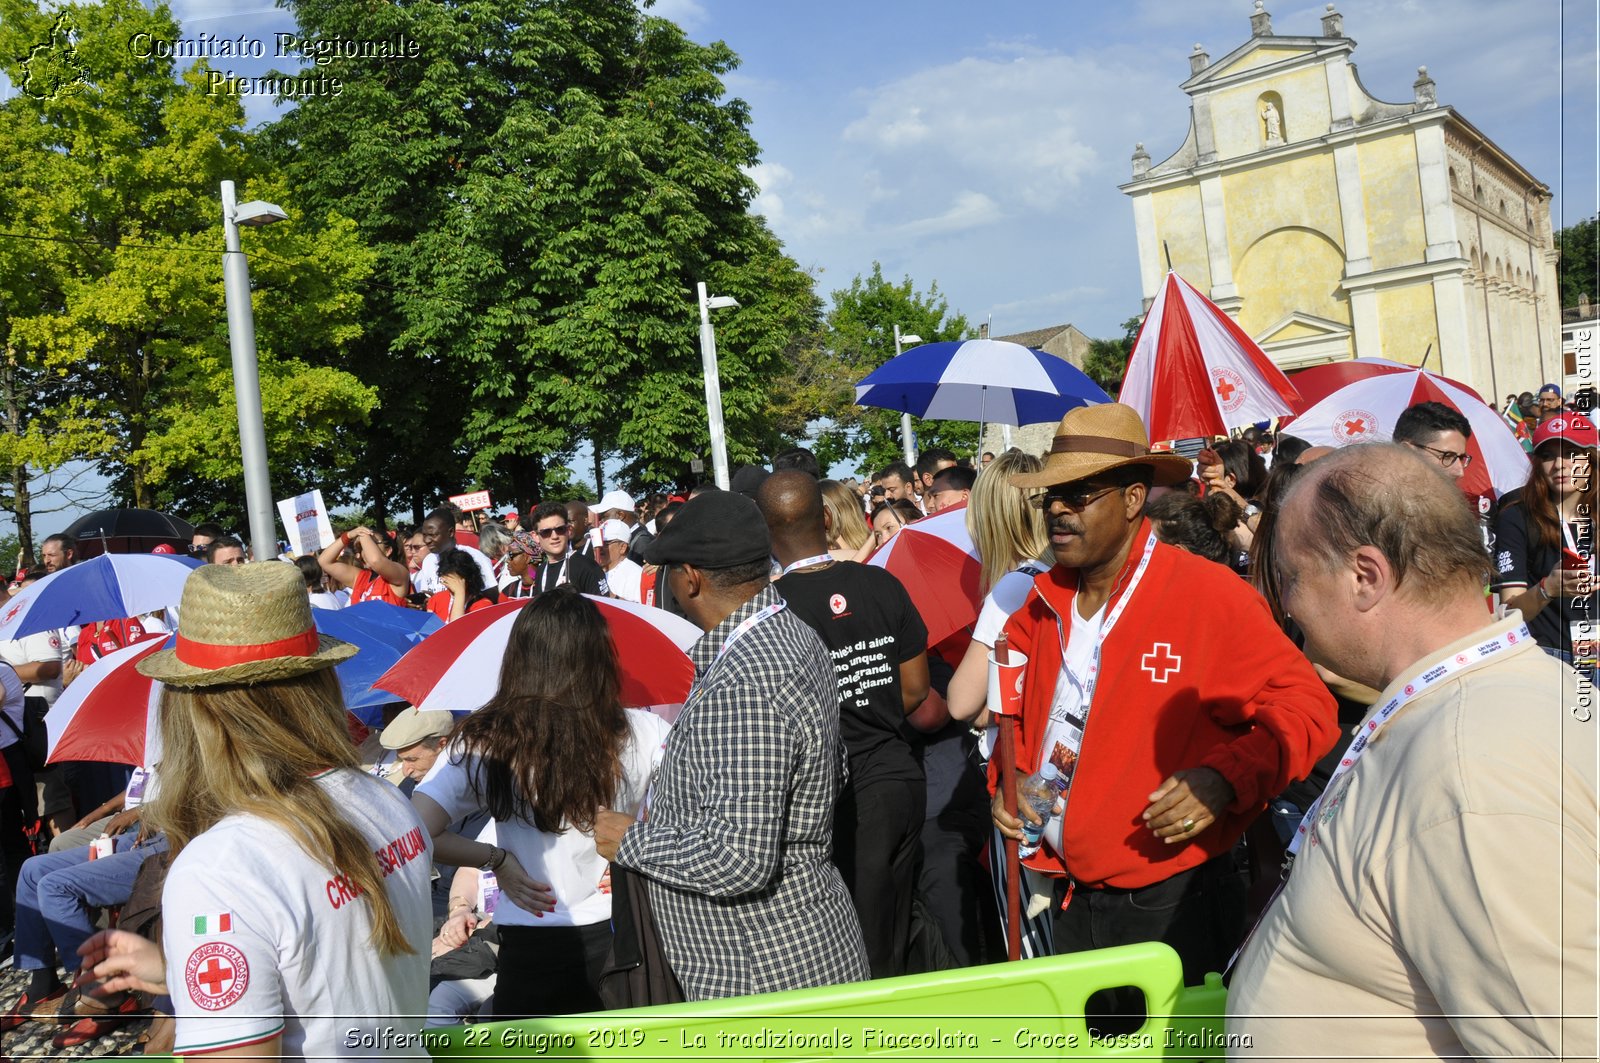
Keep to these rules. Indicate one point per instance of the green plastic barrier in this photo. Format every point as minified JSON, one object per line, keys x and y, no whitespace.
{"x":1032,"y":1009}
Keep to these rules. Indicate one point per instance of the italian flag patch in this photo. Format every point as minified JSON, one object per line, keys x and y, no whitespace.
{"x":213,"y":924}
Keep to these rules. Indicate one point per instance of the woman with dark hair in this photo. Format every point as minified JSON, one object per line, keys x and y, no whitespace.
{"x":887,"y":520}
{"x":463,"y":591}
{"x":379,"y":574}
{"x":1544,"y":541}
{"x":1232,"y":467}
{"x":550,"y":749}
{"x":1198,"y":525}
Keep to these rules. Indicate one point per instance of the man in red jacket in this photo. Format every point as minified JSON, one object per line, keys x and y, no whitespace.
{"x":1200,"y":708}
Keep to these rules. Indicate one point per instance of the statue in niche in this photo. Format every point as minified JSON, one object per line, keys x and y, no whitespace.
{"x":1274,"y":123}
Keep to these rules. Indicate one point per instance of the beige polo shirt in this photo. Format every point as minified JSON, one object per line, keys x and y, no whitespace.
{"x":1446,"y":907}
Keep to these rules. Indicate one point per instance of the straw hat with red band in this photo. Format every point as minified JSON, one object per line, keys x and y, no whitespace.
{"x":244,"y":624}
{"x":1572,"y":428}
{"x":1092,"y":440}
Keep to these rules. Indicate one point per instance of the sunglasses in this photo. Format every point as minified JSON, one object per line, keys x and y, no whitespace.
{"x":551,"y":533}
{"x":1075,"y":497}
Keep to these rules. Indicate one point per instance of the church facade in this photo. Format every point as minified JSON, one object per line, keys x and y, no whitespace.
{"x":1332,"y":224}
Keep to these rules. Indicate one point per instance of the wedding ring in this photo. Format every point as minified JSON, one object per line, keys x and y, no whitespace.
{"x":1188,"y":825}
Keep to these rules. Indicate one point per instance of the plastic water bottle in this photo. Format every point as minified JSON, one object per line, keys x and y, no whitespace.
{"x":1038,"y":792}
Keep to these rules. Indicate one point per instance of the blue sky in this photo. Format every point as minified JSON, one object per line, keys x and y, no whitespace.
{"x":979,"y":145}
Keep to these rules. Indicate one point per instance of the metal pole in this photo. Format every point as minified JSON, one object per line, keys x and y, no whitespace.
{"x":247,"y":386}
{"x":708,"y":363}
{"x":907,"y":441}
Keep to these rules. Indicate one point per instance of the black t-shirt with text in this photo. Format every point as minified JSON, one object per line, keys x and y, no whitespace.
{"x":866,"y":620}
{"x":1520,"y":558}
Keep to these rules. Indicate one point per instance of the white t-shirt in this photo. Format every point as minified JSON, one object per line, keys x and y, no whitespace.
{"x":11,"y":705}
{"x":1005,"y":598}
{"x":326,"y":600}
{"x":624,"y":579}
{"x":260,"y":939}
{"x":33,"y":649}
{"x":427,"y":580}
{"x":567,"y":861}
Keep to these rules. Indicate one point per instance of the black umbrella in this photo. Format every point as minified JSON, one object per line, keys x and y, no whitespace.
{"x":128,"y":531}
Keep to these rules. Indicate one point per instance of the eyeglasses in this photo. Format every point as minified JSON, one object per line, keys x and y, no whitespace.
{"x":1075,"y":497}
{"x":1446,"y":458}
{"x":551,"y":533}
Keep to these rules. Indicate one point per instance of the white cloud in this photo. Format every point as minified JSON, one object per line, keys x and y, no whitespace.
{"x":970,"y":210}
{"x":770,"y":178}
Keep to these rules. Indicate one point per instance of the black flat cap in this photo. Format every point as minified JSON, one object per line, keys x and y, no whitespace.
{"x":746,"y":479}
{"x":718,"y":529}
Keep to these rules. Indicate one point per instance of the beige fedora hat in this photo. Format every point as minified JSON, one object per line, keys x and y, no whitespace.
{"x":244,"y":624}
{"x":1095,"y":439}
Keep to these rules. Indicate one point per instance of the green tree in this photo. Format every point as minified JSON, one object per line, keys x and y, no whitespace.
{"x":859,"y":338}
{"x":1576,"y":272}
{"x":1107,"y":360}
{"x":544,"y":186}
{"x":111,"y":297}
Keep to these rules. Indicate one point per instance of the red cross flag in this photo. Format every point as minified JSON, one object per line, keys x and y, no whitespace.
{"x":1194,"y":371}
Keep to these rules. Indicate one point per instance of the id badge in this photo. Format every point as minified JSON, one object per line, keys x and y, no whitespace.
{"x":488,"y":893}
{"x":136,"y":788}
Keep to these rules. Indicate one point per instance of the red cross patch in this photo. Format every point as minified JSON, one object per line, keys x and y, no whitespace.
{"x":838,"y":604}
{"x":217,"y":975}
{"x":1161,"y":662}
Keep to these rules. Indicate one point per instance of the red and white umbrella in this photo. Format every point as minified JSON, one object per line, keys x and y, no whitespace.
{"x":103,"y":714}
{"x":458,"y":666}
{"x":1365,"y":409}
{"x":936,"y":561}
{"x":1194,"y":371}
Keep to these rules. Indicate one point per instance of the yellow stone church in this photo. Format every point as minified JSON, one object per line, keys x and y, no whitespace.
{"x":1333,"y":225}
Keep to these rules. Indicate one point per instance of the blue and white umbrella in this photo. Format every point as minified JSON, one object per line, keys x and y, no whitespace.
{"x":108,"y":587}
{"x":979,"y":380}
{"x":383,"y":632}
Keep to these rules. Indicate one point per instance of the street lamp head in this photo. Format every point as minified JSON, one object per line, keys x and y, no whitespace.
{"x":910,"y":339}
{"x":717,"y":302}
{"x":258,"y":212}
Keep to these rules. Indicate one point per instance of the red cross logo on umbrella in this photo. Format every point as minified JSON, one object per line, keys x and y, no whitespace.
{"x":1229,"y":387}
{"x":1352,"y":426}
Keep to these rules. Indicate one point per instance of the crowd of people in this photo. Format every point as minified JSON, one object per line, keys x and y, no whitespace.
{"x":1274,"y":667}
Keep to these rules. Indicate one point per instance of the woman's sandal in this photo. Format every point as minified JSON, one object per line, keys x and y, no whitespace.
{"x":92,"y":1017}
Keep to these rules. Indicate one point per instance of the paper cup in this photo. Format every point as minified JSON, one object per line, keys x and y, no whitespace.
{"x":1005,"y":683}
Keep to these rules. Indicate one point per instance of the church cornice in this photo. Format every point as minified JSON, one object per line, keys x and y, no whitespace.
{"x":1268,"y":156}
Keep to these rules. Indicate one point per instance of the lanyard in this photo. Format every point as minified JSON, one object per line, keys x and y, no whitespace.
{"x":561,"y":573}
{"x":1430,"y":678}
{"x":1112,"y":617}
{"x":805,"y":562}
{"x":745,"y":627}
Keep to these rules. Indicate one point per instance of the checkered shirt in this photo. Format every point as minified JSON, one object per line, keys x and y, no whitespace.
{"x":739,"y":838}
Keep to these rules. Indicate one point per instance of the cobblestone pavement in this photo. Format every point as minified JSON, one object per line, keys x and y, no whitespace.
{"x":31,"y":1041}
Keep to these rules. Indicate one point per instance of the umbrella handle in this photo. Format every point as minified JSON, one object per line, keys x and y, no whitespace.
{"x":1007,"y":752}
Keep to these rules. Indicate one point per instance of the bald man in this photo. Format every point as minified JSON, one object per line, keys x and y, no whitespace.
{"x":1443,"y":889}
{"x":878,"y":645}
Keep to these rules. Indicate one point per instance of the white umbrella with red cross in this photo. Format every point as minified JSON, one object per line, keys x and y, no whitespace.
{"x":1375,"y":392}
{"x":1194,"y":371}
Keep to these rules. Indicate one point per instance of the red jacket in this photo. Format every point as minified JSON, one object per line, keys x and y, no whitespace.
{"x":1237,"y":697}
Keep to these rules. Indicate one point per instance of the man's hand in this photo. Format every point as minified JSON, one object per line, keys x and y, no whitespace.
{"x":1010,"y":825}
{"x":609,"y":827}
{"x":122,"y":821}
{"x":1187,"y":803}
{"x":70,"y":671}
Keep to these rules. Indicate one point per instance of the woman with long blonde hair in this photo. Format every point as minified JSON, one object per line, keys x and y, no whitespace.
{"x":298,"y":897}
{"x":1009,"y":532}
{"x":847,"y":521}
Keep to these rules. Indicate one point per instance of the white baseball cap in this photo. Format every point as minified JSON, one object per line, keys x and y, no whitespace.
{"x":614,"y":531}
{"x":613,"y":500}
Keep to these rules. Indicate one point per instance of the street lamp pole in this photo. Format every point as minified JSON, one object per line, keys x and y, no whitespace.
{"x":708,"y":364}
{"x":905,"y":418}
{"x":246,"y":379}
